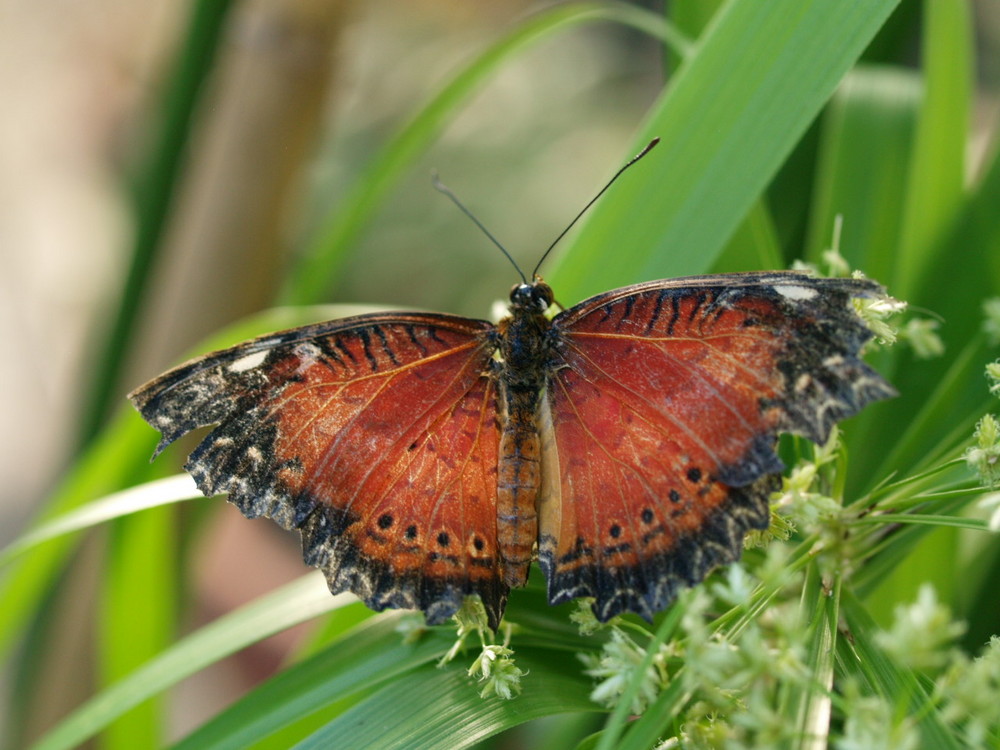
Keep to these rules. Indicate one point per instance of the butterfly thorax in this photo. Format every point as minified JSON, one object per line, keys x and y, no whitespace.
{"x":523,"y":342}
{"x":523,"y":346}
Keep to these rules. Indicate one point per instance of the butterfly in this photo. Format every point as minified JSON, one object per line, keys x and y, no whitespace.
{"x":627,"y":443}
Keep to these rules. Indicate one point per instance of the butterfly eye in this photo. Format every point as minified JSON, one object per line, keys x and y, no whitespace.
{"x":541,"y":295}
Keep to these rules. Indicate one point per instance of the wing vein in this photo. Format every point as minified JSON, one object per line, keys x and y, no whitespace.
{"x":688,"y":431}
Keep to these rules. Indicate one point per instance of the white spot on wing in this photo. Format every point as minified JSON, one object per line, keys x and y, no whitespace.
{"x":795,"y":292}
{"x":308,"y":354}
{"x":307,"y":350}
{"x":248,"y":362}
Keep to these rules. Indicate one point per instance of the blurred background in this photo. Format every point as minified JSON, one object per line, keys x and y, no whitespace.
{"x":303,"y":95}
{"x":300,"y":98}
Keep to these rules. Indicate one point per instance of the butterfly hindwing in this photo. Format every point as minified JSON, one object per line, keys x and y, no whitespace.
{"x":663,"y":408}
{"x":374,"y":436}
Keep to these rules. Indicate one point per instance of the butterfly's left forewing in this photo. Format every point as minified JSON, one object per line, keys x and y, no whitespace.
{"x":663,"y":406}
{"x":375,"y":437}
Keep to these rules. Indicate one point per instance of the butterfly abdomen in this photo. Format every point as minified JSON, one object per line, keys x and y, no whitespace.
{"x":517,"y":482}
{"x":520,"y":378}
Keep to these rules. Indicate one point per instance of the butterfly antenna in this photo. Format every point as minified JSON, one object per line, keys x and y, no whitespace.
{"x":442,"y":188}
{"x":633,"y":160}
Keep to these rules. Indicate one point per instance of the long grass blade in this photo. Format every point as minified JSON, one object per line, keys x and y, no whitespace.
{"x":725,"y":129}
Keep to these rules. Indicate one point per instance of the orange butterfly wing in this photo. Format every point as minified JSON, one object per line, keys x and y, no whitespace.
{"x":375,"y":437}
{"x":664,"y":403}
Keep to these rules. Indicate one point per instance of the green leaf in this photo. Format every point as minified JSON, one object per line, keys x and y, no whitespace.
{"x":138,"y":616}
{"x":735,"y":110}
{"x":117,"y":458}
{"x":434,"y":708}
{"x":754,"y":245}
{"x":294,"y":603}
{"x":937,"y":177}
{"x":656,"y":720}
{"x":133,"y":500}
{"x":928,"y":519}
{"x":372,"y":654}
{"x":864,"y":156}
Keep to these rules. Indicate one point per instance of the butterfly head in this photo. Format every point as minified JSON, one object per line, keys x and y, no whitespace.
{"x":533,"y":298}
